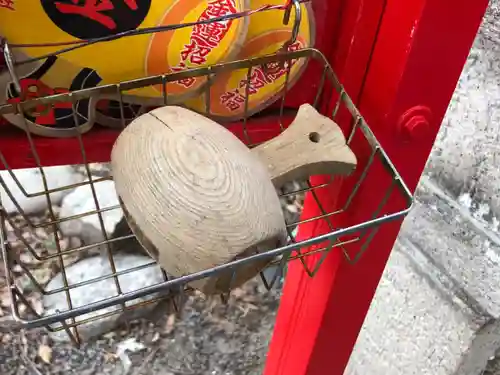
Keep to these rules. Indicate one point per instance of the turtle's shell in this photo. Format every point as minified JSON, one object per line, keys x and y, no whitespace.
{"x":195,"y":193}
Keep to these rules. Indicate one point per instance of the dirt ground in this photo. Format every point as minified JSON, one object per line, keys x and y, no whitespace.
{"x":209,"y":338}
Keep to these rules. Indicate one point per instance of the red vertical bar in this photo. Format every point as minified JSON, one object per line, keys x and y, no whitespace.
{"x":420,"y":50}
{"x":303,"y":302}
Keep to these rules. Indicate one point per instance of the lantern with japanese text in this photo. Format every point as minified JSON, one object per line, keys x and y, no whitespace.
{"x":52,"y":76}
{"x":44,"y":78}
{"x":266,"y":34}
{"x":57,"y":24}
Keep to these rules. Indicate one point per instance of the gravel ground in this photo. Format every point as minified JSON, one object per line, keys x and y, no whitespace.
{"x":207,"y":337}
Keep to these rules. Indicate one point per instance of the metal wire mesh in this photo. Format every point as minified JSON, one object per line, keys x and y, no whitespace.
{"x":371,"y":158}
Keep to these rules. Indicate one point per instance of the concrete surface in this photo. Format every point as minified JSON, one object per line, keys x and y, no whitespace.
{"x":459,"y":245}
{"x":436,"y":310}
{"x":413,"y":333}
{"x":466,"y":154}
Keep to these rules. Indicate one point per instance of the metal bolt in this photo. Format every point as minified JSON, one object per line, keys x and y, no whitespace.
{"x":414,"y":124}
{"x":417,"y":127}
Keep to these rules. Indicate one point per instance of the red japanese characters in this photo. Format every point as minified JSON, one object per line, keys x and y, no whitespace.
{"x":205,"y":37}
{"x":94,"y":9}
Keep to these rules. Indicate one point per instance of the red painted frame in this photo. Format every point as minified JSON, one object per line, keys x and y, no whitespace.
{"x":391,"y":56}
{"x":412,"y":57}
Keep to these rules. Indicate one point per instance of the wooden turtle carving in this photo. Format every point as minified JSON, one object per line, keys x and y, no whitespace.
{"x":196,"y":197}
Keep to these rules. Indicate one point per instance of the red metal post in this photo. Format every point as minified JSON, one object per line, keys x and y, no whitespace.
{"x":420,"y":50}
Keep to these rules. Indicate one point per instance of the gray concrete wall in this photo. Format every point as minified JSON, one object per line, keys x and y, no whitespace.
{"x":436,"y":310}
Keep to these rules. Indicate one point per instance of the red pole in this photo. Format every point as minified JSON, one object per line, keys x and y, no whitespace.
{"x":420,"y":50}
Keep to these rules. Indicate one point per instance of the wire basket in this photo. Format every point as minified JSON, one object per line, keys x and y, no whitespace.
{"x":330,"y":99}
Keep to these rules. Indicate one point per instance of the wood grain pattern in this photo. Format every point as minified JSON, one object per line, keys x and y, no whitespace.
{"x":196,"y":192}
{"x":196,"y":197}
{"x":312,"y":145}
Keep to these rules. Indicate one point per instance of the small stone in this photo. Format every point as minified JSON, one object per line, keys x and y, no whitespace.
{"x":18,"y":220}
{"x":94,"y":267}
{"x":130,"y":345}
{"x":17,"y":268}
{"x":27,"y":258}
{"x":81,"y":202}
{"x":41,"y":233}
{"x":27,"y":235}
{"x":96,"y":169}
{"x":238,"y":293}
{"x":45,"y":353}
{"x":110,"y":335}
{"x":42,"y":275}
{"x":5,"y":298}
{"x":110,"y":357}
{"x":36,"y":303}
{"x":31,"y":180}
{"x":22,"y":309}
{"x":170,"y":325}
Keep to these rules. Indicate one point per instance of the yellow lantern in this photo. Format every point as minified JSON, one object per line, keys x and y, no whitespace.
{"x":266,"y":34}
{"x":73,"y":21}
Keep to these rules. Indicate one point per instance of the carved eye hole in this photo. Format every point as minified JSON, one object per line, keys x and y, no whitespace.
{"x":314,"y":137}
